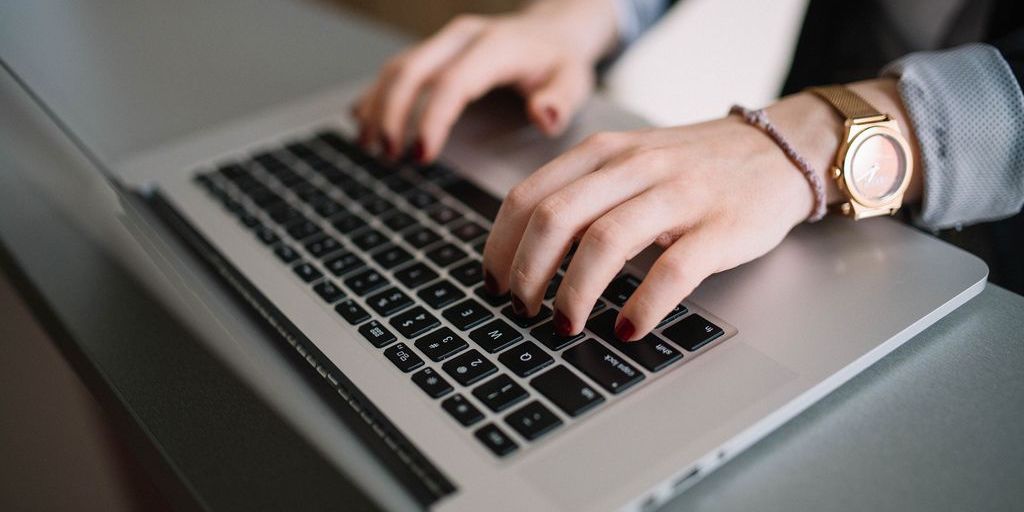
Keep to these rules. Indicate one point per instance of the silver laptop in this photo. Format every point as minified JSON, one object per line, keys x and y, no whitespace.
{"x":370,"y":274}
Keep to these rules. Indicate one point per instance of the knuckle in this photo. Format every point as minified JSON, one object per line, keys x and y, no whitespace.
{"x":518,"y":198}
{"x":605,"y":235}
{"x":602,"y":141}
{"x":550,"y":214}
{"x":467,"y":21}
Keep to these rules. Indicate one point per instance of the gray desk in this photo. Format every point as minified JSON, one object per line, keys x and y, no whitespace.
{"x":936,"y":425}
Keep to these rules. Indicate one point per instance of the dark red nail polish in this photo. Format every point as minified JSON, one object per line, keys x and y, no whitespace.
{"x":364,"y":138}
{"x":562,"y":324}
{"x":489,"y":283}
{"x":418,"y":152}
{"x":517,"y":306}
{"x":551,"y":114}
{"x":624,"y":329}
{"x":386,"y":147}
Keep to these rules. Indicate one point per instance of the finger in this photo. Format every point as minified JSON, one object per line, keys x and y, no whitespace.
{"x":611,"y":241}
{"x":553,"y":104}
{"x":411,"y":71}
{"x":578,"y":207}
{"x":517,"y":207}
{"x":675,"y":275}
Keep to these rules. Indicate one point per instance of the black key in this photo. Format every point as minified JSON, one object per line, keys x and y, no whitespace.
{"x":375,"y":204}
{"x":303,"y":229}
{"x":444,"y":214}
{"x":398,"y":221}
{"x":495,"y":440}
{"x":248,"y":220}
{"x":233,"y":171}
{"x":414,"y":322}
{"x":494,"y":300}
{"x":436,"y":172}
{"x":567,"y":391}
{"x":469,"y":273}
{"x":353,"y":188}
{"x":475,"y":197}
{"x":365,"y":282}
{"x":352,"y":312}
{"x":415,"y":275}
{"x":328,"y":208}
{"x":368,"y":239}
{"x":568,"y":256}
{"x":398,"y":184}
{"x":533,"y":420}
{"x":693,"y":332}
{"x":479,"y":246}
{"x":376,"y":333}
{"x":598,"y":306}
{"x":307,"y":272}
{"x":343,"y":263}
{"x":432,"y":383}
{"x":469,"y":367}
{"x":420,"y":198}
{"x":348,"y":223}
{"x":495,"y":335}
{"x":421,"y":237}
{"x":526,"y":322}
{"x":545,"y":333}
{"x":676,"y":312}
{"x":600,"y":364}
{"x":467,"y":314}
{"x":268,"y":161}
{"x":462,"y":410}
{"x":286,"y":253}
{"x":467,"y":231}
{"x":441,"y":344}
{"x":389,"y":302}
{"x":525,"y":359}
{"x":391,"y":256}
{"x":322,"y":246}
{"x":440,"y":294}
{"x":500,"y":393}
{"x":651,"y":352}
{"x":552,"y":289}
{"x":284,"y":214}
{"x":266,"y":235}
{"x":328,"y":291}
{"x":264,"y":197}
{"x":403,"y":357}
{"x":445,"y":255}
{"x":620,"y":289}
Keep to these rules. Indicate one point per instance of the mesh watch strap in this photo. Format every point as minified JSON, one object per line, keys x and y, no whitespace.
{"x":847,"y":102}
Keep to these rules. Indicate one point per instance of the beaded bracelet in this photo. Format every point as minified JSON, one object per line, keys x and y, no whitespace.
{"x":759,"y":119}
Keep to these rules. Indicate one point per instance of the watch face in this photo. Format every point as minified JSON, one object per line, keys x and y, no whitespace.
{"x":878,"y":167}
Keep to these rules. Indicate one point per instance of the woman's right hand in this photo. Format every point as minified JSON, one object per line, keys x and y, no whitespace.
{"x":546,"y":51}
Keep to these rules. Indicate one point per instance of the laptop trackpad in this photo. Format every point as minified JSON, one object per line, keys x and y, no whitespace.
{"x":647,"y":434}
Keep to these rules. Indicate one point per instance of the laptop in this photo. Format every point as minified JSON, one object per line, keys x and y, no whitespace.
{"x":369,"y":274}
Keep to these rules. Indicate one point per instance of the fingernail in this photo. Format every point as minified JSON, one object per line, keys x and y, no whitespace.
{"x":517,"y":306}
{"x":551,"y":114}
{"x":490,"y":283}
{"x":562,"y":324}
{"x":624,"y":329}
{"x":385,"y":145}
{"x":419,"y":152}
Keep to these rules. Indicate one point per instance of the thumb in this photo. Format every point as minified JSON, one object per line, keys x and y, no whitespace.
{"x":552,"y":104}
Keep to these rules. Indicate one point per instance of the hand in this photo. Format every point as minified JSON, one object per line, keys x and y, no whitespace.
{"x":714,"y":195}
{"x":547,"y":52}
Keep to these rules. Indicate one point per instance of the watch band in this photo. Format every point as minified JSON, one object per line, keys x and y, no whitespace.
{"x":847,"y":102}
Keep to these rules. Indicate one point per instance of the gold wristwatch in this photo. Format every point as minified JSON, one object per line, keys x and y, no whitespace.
{"x":874,"y":163}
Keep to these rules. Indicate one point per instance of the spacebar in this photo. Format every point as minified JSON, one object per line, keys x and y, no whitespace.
{"x":475,"y":197}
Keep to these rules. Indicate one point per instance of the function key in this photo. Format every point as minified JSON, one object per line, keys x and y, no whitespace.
{"x":567,"y":391}
{"x":302,"y":229}
{"x":414,"y":322}
{"x":403,"y":357}
{"x":343,"y":263}
{"x":443,"y":214}
{"x":248,"y":220}
{"x":440,"y":294}
{"x":421,"y":237}
{"x":526,"y":322}
{"x":285,"y":253}
{"x":375,"y":204}
{"x":322,"y":246}
{"x":266,"y":235}
{"x":307,"y":272}
{"x":495,"y":335}
{"x":533,"y":420}
{"x":469,"y":367}
{"x":600,"y":364}
{"x":494,"y":300}
{"x":389,"y":302}
{"x":398,"y":221}
{"x":415,"y":275}
{"x":432,"y":383}
{"x":693,"y":332}
{"x":327,"y":207}
{"x":365,"y":282}
{"x":233,"y":171}
{"x":496,"y":440}
{"x":446,"y":255}
{"x":467,"y":231}
{"x":467,"y":314}
{"x":500,"y":393}
{"x":545,"y":333}
{"x":620,"y":289}
{"x":441,"y":344}
{"x":651,"y":352}
{"x":469,"y":273}
{"x":376,"y":333}
{"x":525,"y":359}
{"x":352,"y":312}
{"x":284,"y":214}
{"x":463,"y":411}
{"x":328,"y":291}
{"x":420,"y":198}
{"x":368,"y":239}
{"x":391,"y":256}
{"x":348,"y":223}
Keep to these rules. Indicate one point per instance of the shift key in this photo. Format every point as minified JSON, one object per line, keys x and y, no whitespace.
{"x":607,"y":369}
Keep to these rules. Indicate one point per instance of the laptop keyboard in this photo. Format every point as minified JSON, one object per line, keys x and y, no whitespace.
{"x":395,"y":250}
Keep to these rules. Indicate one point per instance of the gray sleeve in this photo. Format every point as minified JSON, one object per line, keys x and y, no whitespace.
{"x":967,"y":112}
{"x":636,"y":16}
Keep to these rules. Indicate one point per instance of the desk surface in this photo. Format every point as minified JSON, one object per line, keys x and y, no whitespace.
{"x":935,"y":425}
